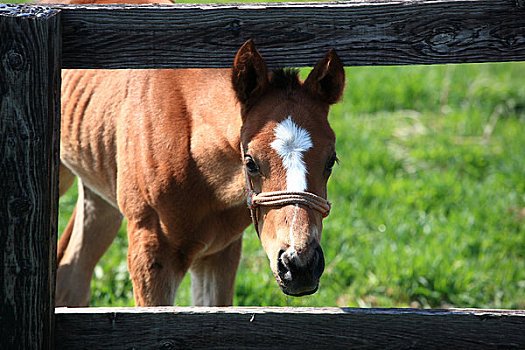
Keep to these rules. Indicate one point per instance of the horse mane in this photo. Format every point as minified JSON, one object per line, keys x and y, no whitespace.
{"x":285,"y":79}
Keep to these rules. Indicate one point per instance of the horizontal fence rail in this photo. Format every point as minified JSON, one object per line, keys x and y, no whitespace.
{"x":293,"y":34}
{"x":307,"y":328}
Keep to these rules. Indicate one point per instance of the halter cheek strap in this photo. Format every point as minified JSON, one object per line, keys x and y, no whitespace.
{"x":280,"y":198}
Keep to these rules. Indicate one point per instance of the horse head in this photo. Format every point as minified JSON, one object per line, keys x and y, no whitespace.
{"x":288,"y":151}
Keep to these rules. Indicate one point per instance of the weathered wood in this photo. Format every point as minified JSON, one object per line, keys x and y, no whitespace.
{"x":264,"y":328}
{"x":29,"y":135}
{"x":298,"y":34}
{"x":364,"y":32}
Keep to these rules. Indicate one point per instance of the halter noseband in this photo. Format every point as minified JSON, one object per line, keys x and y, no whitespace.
{"x":280,"y":198}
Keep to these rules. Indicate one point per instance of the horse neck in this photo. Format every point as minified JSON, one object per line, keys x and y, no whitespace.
{"x":212,"y":107}
{"x":215,"y":119}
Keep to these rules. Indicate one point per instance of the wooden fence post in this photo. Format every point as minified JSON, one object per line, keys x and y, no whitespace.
{"x":30,"y":49}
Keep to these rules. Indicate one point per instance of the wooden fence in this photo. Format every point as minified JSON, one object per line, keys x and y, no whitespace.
{"x":37,"y":41}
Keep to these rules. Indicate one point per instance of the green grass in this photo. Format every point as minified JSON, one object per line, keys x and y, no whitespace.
{"x":429,"y":197}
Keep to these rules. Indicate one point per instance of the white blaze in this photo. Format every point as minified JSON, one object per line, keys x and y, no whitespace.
{"x":291,"y":141}
{"x":290,"y":233}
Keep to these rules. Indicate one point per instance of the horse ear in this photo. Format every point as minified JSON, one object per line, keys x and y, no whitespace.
{"x":249,"y":74}
{"x":327,"y":79}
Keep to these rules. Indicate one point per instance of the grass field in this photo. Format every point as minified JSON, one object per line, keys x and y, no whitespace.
{"x":429,"y":197}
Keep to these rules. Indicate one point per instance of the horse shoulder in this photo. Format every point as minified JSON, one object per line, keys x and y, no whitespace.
{"x":178,"y":142}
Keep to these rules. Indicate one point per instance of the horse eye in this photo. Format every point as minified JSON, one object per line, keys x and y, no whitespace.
{"x":331,"y":162}
{"x":251,"y":166}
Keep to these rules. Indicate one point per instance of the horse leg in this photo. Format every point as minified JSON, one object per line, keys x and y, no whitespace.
{"x":152,"y":263}
{"x":213,"y":276}
{"x":66,"y":236}
{"x":90,"y":231}
{"x":66,"y":178}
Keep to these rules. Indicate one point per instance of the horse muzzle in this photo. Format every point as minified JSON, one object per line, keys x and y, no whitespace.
{"x":298,"y":272}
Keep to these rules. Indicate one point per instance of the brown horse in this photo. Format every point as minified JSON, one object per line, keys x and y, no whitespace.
{"x":178,"y":152}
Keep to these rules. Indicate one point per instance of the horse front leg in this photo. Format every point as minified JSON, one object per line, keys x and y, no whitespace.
{"x":213,"y":276}
{"x":155,"y":267}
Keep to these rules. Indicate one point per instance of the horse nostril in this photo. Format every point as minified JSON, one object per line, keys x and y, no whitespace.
{"x":282,"y":268}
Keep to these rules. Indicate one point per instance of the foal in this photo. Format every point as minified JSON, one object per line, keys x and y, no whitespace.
{"x":178,"y":152}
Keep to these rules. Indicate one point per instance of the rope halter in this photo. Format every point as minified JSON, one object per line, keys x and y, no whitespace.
{"x":280,"y":199}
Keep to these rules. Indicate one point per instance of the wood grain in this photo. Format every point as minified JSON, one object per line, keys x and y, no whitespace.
{"x":298,"y":34}
{"x":183,"y":36}
{"x":305,"y":328}
{"x":29,"y":135}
